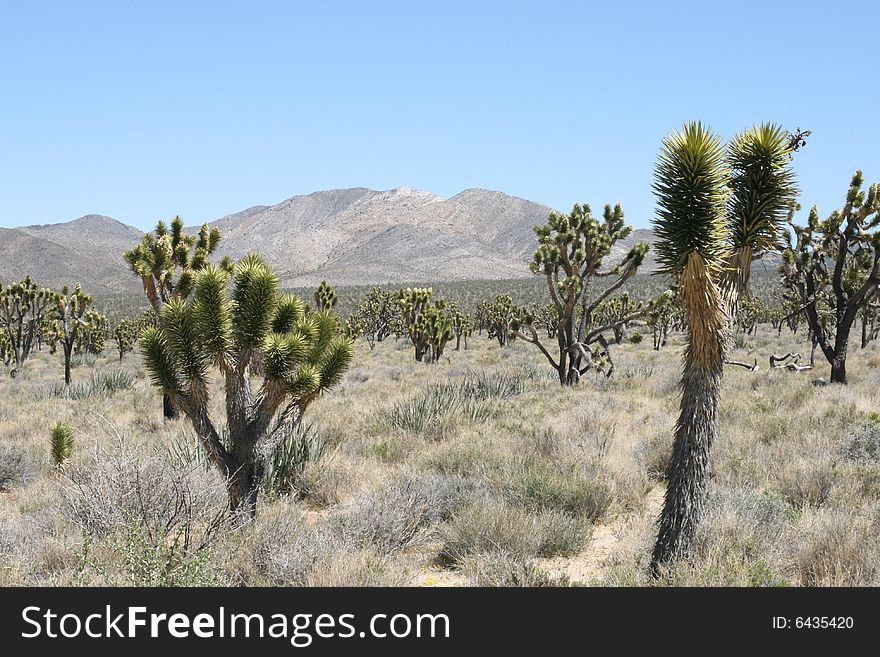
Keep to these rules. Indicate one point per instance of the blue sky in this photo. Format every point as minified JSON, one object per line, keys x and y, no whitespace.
{"x":143,"y":110}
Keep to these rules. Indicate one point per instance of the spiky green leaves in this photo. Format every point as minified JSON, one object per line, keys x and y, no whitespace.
{"x":61,"y":442}
{"x":213,"y":312}
{"x":255,"y":292}
{"x":690,"y":182}
{"x":762,"y":187}
{"x":159,"y":360}
{"x":304,"y":352}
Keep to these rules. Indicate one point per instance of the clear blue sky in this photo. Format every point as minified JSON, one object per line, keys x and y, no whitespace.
{"x":142,"y":110}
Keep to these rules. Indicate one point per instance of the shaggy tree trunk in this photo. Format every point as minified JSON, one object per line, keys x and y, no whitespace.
{"x":698,"y":416}
{"x":168,"y":409}
{"x":243,"y":487}
{"x":690,"y":466}
{"x":67,"y":356}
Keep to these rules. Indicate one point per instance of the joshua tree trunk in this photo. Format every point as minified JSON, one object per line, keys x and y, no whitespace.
{"x":244,"y":487}
{"x":168,"y":409}
{"x":698,"y":415}
{"x":690,"y":466}
{"x":68,"y":348}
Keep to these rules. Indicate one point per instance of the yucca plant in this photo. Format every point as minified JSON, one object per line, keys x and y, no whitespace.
{"x":61,"y":443}
{"x":298,"y":354}
{"x":716,"y":211}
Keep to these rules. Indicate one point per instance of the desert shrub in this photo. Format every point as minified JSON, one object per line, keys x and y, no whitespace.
{"x":544,"y":485}
{"x":561,"y":534}
{"x":636,"y":338}
{"x":358,"y":568}
{"x":637,"y":372}
{"x":285,"y":548}
{"x":654,"y":455}
{"x":133,"y":490}
{"x":14,"y":466}
{"x":862,"y":444}
{"x":402,"y":513}
{"x":485,"y":528}
{"x":499,"y":569}
{"x":493,"y":527}
{"x":834,"y":549}
{"x":807,"y":483}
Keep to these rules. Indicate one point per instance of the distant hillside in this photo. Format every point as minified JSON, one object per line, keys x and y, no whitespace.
{"x":347,"y":236}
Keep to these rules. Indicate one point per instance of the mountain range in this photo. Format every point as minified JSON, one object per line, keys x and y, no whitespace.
{"x":347,"y":236}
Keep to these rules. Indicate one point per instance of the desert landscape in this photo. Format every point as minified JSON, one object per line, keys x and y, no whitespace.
{"x":411,"y":421}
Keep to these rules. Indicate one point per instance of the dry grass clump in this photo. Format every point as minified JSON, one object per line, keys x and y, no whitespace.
{"x":406,"y":511}
{"x":542,"y":485}
{"x":15,"y":467}
{"x":500,"y":569}
{"x":834,"y":548}
{"x":495,"y":527}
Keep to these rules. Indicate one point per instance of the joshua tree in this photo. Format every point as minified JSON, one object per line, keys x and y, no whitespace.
{"x":92,"y":336}
{"x":300,"y":353}
{"x":834,"y":267}
{"x":127,"y":331}
{"x":70,"y":317}
{"x":616,"y":312}
{"x":503,"y":318}
{"x":167,"y":262}
{"x":711,"y":222}
{"x":571,"y":252}
{"x":124,"y":336}
{"x":428,"y":322}
{"x":23,"y":310}
{"x":325,"y":296}
{"x":665,"y":316}
{"x":462,"y":325}
{"x":376,"y":316}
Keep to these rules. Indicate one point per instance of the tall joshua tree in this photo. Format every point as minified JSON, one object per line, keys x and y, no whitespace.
{"x":300,"y":354}
{"x":716,"y":211}
{"x":167,"y":262}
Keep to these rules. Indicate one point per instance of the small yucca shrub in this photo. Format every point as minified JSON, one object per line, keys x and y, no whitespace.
{"x":61,"y":443}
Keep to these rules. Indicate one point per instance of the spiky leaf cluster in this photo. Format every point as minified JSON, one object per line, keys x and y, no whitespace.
{"x":762,"y":187}
{"x":690,"y":181}
{"x":325,"y":296}
{"x":167,"y":260}
{"x":301,"y":352}
{"x":61,"y":442}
